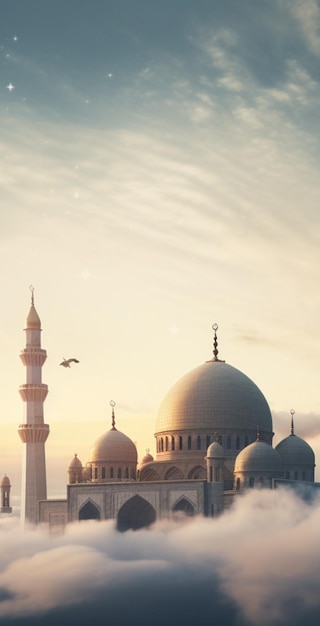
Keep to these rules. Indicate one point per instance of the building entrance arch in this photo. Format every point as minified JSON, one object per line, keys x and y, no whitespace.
{"x":135,"y":513}
{"x":89,"y":511}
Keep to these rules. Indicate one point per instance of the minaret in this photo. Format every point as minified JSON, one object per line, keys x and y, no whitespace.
{"x":33,"y":432}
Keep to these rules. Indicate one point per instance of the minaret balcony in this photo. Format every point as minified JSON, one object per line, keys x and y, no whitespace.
{"x":33,"y":433}
{"x":33,"y":393}
{"x":33,"y":356}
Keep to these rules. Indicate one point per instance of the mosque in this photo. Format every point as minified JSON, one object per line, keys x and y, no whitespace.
{"x":213,"y":441}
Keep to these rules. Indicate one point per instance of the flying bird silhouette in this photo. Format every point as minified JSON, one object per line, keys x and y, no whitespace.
{"x":66,"y":362}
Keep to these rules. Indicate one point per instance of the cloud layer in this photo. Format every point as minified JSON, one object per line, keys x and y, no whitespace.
{"x":258,"y":564}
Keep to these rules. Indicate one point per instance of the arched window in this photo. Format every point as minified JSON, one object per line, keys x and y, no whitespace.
{"x":238,"y":483}
{"x":211,"y":475}
{"x":172,"y":443}
{"x":96,"y":472}
{"x":180,"y":443}
{"x":127,"y":472}
{"x":119,"y":472}
{"x":303,"y":475}
{"x":208,"y":441}
{"x":111,"y":472}
{"x":189,"y":442}
{"x":198,"y":442}
{"x":251,"y":481}
{"x":287,"y":474}
{"x":238,"y":443}
{"x":229,"y":442}
{"x":103,"y":472}
{"x":167,"y":444}
{"x":296,"y":475}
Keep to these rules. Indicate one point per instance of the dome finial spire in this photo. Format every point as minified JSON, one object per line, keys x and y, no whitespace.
{"x":292,"y":411}
{"x":215,"y":342}
{"x":113,"y":422}
{"x":32,"y":294}
{"x":215,"y":346}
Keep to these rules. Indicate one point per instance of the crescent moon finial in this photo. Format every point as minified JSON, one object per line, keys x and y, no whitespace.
{"x":32,"y":292}
{"x":113,"y":421}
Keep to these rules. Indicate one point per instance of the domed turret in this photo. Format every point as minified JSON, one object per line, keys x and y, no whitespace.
{"x":75,"y":470}
{"x":5,"y":495}
{"x":297,"y":456}
{"x":148,"y":458}
{"x":5,"y":481}
{"x":215,"y":460}
{"x":257,"y":465}
{"x":215,"y":451}
{"x":113,"y":456}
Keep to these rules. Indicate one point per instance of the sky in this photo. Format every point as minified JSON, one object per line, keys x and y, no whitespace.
{"x":258,"y":564}
{"x":159,"y":172}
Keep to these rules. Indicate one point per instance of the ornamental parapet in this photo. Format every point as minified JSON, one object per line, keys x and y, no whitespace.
{"x":34,"y":433}
{"x":33,"y":356}
{"x":33,"y":393}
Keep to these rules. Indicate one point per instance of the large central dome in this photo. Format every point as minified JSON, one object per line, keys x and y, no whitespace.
{"x":215,"y":397}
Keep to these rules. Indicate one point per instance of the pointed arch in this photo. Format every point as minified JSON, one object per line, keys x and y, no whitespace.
{"x":183,"y":505}
{"x":198,"y":472}
{"x":135,"y":513}
{"x":148,"y":475}
{"x":173,"y":473}
{"x":89,"y":510}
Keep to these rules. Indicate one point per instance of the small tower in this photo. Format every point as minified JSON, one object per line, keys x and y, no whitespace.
{"x":215,"y":462}
{"x":33,"y":432}
{"x":75,"y":471}
{"x":5,"y":495}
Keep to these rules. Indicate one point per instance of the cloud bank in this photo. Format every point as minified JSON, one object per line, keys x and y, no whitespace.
{"x":258,"y":564}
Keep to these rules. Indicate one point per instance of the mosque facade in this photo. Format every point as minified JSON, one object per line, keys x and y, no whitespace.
{"x":213,"y":436}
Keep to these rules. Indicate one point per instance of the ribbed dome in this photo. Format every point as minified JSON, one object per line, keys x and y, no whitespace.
{"x":295,"y":451}
{"x":215,"y":451}
{"x":258,"y":457}
{"x":33,"y":319}
{"x":214,"y":396}
{"x":113,"y":446}
{"x":5,"y":481}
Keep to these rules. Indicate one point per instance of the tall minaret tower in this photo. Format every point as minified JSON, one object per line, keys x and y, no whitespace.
{"x":33,"y":432}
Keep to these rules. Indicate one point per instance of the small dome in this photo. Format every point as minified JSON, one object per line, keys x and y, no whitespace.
{"x":295,"y":451}
{"x":75,"y":463}
{"x":115,"y":447}
{"x":258,"y":457}
{"x":148,"y":458}
{"x":5,"y":481}
{"x":33,"y":319}
{"x":215,"y":450}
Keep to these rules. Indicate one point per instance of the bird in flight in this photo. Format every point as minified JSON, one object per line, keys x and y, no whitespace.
{"x":66,"y":362}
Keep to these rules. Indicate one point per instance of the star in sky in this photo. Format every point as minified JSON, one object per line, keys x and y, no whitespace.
{"x":10,"y":87}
